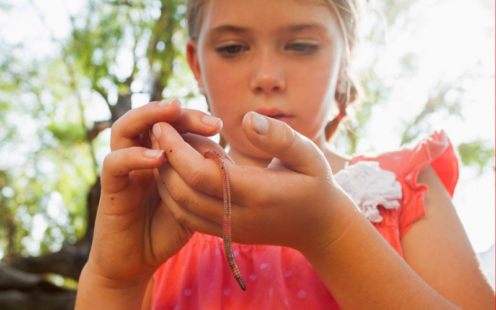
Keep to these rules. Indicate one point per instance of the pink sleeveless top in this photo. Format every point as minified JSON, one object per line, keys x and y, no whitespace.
{"x":198,"y":276}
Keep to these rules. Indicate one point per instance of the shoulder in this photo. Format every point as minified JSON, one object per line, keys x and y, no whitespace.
{"x":429,"y":177}
{"x":429,"y":164}
{"x":434,"y":149}
{"x":434,"y":153}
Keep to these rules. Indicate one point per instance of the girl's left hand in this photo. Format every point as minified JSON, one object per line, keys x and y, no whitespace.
{"x":294,"y":202}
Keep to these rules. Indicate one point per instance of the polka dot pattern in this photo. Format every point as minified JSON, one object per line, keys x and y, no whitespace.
{"x":301,"y":294}
{"x":279,"y":277}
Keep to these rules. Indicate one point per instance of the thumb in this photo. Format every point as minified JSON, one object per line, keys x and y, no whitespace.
{"x":278,"y":139}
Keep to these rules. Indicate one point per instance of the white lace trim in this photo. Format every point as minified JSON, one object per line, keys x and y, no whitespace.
{"x":370,"y":186}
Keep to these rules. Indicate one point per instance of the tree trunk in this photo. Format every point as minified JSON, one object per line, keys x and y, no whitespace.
{"x":21,"y":290}
{"x":24,"y":284}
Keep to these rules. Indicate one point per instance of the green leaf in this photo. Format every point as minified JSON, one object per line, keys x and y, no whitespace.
{"x":68,"y":133}
{"x":476,"y":153}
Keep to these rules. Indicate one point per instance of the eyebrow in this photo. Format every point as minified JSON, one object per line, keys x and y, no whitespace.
{"x":241,"y":30}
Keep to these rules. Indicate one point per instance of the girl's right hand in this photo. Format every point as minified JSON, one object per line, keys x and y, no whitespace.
{"x":135,"y":232}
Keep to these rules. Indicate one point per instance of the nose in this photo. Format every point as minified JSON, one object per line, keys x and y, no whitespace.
{"x":267,"y":74}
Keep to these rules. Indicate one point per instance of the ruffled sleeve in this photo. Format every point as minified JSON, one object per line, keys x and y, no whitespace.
{"x":437,"y":151}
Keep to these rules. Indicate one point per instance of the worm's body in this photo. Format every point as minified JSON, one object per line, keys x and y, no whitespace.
{"x":226,"y":223}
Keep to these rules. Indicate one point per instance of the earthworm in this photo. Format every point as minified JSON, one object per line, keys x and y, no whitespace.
{"x":226,"y":223}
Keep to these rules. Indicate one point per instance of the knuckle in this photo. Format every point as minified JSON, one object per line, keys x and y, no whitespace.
{"x":107,"y":161}
{"x":119,"y":123}
{"x":177,"y":193}
{"x":287,"y":139}
{"x":116,"y":125}
{"x":114,"y":133}
{"x":179,"y":215}
{"x":195,"y":179}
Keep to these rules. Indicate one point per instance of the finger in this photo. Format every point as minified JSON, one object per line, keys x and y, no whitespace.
{"x":294,"y":151}
{"x":186,"y":217}
{"x":198,"y":122}
{"x":203,"y":174}
{"x":180,"y":214}
{"x":196,"y":209}
{"x":126,"y":130}
{"x":192,"y":166}
{"x":206,"y":206}
{"x":202,"y":145}
{"x":117,"y":166}
{"x":197,"y":202}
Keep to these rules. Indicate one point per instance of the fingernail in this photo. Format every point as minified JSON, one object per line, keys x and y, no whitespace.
{"x":210,"y":120}
{"x":153,"y":154}
{"x":166,"y":103}
{"x":260,"y":124}
{"x":157,"y":131}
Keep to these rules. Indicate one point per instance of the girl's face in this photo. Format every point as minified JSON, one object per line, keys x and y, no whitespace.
{"x":277,"y":57}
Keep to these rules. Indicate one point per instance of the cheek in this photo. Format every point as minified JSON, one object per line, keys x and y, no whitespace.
{"x":224,"y":86}
{"x":314,"y":79}
{"x":317,"y":93}
{"x":319,"y":77}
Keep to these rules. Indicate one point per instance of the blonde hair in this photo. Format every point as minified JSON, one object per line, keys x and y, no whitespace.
{"x":348,"y":89}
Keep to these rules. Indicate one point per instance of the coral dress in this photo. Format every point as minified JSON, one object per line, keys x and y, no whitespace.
{"x":198,"y":276}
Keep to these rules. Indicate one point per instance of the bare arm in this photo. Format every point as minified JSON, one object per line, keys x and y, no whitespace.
{"x":437,"y":248}
{"x":442,"y":274}
{"x":95,"y":290}
{"x":134,"y":232}
{"x":362,"y":271}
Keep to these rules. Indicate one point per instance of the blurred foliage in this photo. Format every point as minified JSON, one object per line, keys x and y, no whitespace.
{"x":116,"y":50}
{"x":476,"y":153}
{"x":48,"y":161}
{"x":61,"y":281}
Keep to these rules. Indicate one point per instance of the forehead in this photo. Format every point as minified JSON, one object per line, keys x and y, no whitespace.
{"x":269,"y":16}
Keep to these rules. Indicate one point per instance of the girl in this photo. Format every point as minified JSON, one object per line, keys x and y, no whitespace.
{"x":310,"y":232}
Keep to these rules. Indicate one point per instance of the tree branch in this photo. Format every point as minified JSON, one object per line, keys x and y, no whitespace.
{"x":126,"y":3}
{"x":66,"y":263}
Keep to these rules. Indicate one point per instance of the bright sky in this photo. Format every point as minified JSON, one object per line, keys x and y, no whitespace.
{"x":449,"y":37}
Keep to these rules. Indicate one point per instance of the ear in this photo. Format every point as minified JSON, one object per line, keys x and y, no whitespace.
{"x":194,"y":64}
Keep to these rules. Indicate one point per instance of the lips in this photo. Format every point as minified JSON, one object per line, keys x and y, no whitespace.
{"x":272,"y":112}
{"x":275,"y":113}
